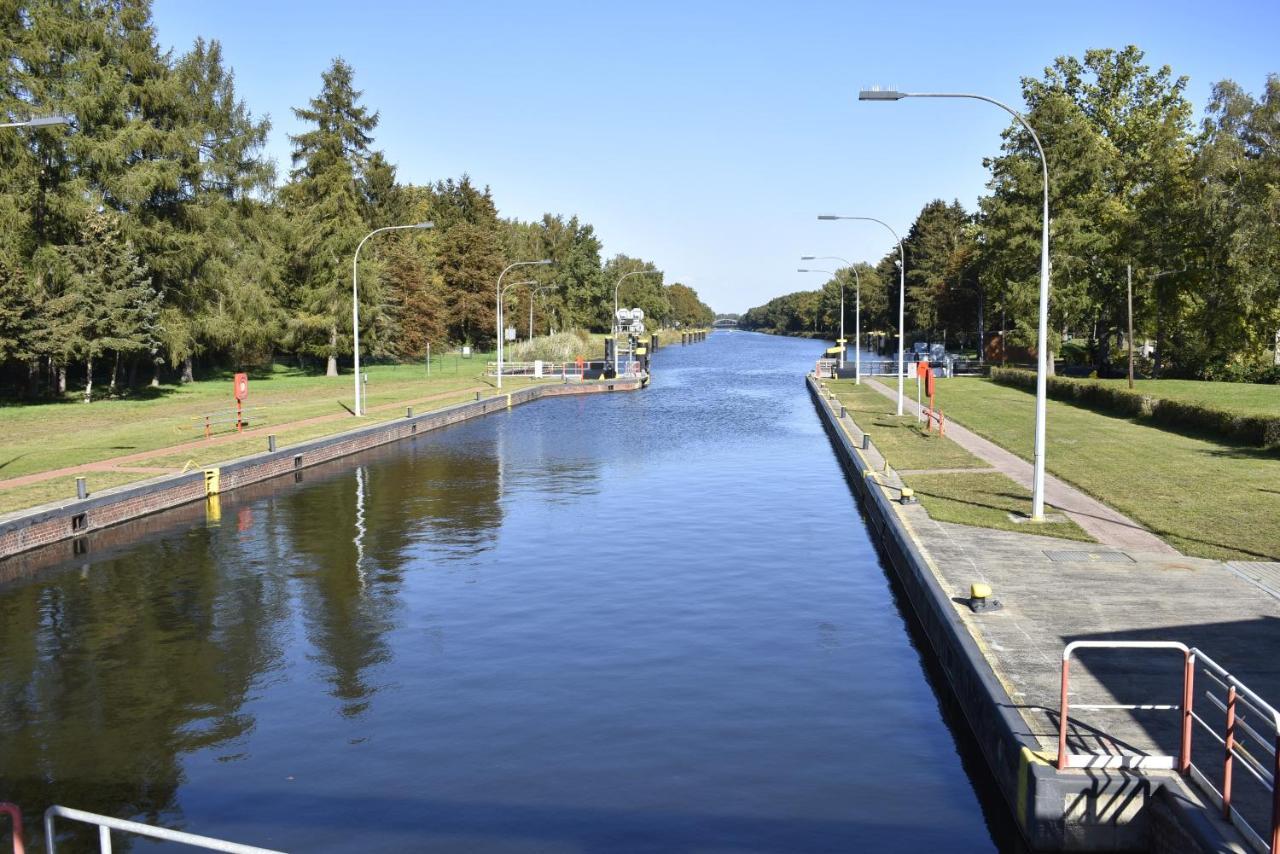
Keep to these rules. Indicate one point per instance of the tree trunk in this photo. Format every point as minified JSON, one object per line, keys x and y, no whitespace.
{"x":133,"y":373}
{"x":114,"y":385}
{"x":155,"y":376}
{"x":188,"y":370}
{"x":332,"y":369}
{"x":62,"y":379}
{"x":88,"y":379}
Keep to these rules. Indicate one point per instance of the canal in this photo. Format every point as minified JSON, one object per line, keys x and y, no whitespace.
{"x":635,"y":622}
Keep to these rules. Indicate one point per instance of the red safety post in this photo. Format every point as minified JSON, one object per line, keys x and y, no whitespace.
{"x":15,"y":815}
{"x":1228,"y":763}
{"x":242,"y":392}
{"x":1188,"y":694}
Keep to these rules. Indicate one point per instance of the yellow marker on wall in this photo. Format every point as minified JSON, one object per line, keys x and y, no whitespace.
{"x":212,"y":481}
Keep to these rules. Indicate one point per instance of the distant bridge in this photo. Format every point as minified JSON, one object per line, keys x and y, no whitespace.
{"x":725,"y":323}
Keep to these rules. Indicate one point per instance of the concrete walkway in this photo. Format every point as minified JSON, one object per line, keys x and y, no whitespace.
{"x":1054,"y":591}
{"x":1109,"y":527}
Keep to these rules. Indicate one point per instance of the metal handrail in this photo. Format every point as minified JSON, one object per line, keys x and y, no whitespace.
{"x":15,"y":816}
{"x":1240,"y":702}
{"x":106,"y":824}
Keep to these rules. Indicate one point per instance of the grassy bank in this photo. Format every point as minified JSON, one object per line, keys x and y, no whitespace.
{"x":937,"y":468}
{"x":1205,"y":498}
{"x":165,"y":429}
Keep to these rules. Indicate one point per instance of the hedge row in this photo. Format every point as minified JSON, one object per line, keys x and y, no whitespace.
{"x":1261,"y":431}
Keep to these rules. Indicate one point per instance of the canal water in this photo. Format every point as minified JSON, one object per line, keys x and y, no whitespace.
{"x":633,"y":622}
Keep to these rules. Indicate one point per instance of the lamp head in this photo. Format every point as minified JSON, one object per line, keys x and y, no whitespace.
{"x":877,"y":94}
{"x":47,"y":121}
{"x":827,"y":216}
{"x":808,"y":257}
{"x":427,"y":224}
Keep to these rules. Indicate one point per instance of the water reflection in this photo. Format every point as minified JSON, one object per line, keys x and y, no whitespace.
{"x":600,"y":623}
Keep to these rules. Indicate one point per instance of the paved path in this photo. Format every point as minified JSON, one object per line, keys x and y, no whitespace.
{"x":125,"y":462}
{"x":1101,"y":522}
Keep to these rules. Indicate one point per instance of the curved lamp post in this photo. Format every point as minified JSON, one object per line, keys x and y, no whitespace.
{"x":543,"y":263}
{"x":857,"y":313}
{"x":902,"y":293}
{"x":833,"y":275}
{"x":615,"y":305}
{"x":355,"y":300}
{"x":1042,"y":349}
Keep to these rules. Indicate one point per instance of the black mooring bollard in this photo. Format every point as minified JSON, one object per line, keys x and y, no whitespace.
{"x":866,"y":442}
{"x":271,"y":443}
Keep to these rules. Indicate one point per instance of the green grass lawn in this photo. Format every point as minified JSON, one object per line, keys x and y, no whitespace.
{"x":980,"y":498}
{"x":44,"y":436}
{"x":1205,"y":498}
{"x":984,"y":499}
{"x":1248,"y":398}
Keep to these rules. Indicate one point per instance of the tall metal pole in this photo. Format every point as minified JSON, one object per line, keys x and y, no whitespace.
{"x":902,"y":295}
{"x":1128,"y":270}
{"x":498,"y":310}
{"x":1042,"y":343}
{"x":857,"y":328}
{"x":857,"y":317}
{"x":355,"y":303}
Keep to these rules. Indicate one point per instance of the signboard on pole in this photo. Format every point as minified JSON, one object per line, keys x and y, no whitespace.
{"x":511,"y":333}
{"x":242,"y":387}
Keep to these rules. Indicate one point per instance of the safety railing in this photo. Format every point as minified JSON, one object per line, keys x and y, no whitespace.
{"x":15,"y":819}
{"x":106,"y":825}
{"x":215,"y":422}
{"x":544,"y":370}
{"x":1250,"y":737}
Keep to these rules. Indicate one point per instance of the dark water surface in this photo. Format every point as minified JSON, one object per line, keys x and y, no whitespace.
{"x":648,"y":621}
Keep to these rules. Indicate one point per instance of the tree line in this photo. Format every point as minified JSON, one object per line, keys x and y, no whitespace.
{"x":154,"y":236}
{"x":1191,"y":211}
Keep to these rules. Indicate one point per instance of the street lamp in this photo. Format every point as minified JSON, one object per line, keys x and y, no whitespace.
{"x":902,"y":293}
{"x":1042,"y":367}
{"x":615,"y":306}
{"x":544,"y":262}
{"x":857,"y":314}
{"x":355,"y":299}
{"x":40,"y":122}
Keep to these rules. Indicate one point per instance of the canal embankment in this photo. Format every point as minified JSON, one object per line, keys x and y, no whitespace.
{"x":70,"y":520}
{"x":1005,"y":665}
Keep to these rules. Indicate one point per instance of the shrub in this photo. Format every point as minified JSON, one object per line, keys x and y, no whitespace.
{"x":561,"y":347}
{"x":1183,"y":416}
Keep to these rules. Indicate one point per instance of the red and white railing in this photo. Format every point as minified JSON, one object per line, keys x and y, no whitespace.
{"x":1250,"y":737}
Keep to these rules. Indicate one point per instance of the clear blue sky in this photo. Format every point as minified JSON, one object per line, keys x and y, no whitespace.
{"x":704,"y":137}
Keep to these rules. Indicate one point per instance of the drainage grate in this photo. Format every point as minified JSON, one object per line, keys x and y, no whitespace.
{"x":1075,"y":556}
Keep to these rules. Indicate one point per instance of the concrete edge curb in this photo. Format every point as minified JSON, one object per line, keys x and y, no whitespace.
{"x":71,"y":519}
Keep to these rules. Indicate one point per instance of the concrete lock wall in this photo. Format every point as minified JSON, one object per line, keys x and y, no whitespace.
{"x":1098,"y":810}
{"x":72,"y":519}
